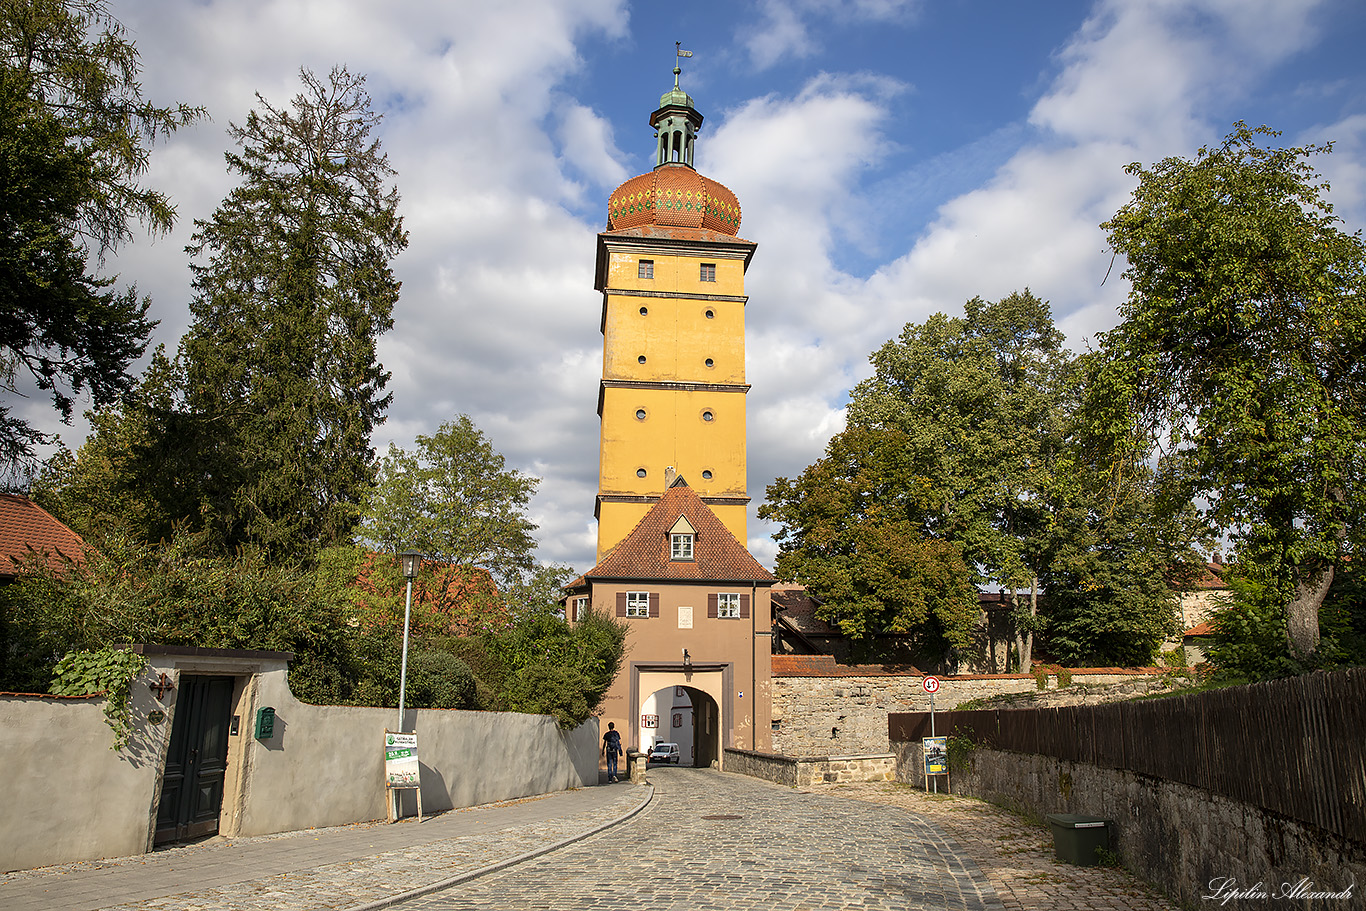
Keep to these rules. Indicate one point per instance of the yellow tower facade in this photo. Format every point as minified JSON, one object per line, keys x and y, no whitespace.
{"x":671,"y":270}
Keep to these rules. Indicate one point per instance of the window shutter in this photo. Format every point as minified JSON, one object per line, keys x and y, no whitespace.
{"x":654,"y":604}
{"x":711,"y":606}
{"x":621,"y":604}
{"x":744,"y":607}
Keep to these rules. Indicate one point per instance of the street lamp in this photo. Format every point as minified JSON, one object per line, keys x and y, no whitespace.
{"x":412,"y":561}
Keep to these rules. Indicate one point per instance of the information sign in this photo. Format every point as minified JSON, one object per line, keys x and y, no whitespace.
{"x":400,"y":760}
{"x":936,"y":755}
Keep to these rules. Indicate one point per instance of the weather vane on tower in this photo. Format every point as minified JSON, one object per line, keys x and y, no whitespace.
{"x":678,"y":53}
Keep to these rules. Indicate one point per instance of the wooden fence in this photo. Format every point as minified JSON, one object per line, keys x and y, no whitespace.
{"x":1295,"y":747}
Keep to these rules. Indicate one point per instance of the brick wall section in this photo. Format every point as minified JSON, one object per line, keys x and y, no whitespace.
{"x":821,"y":708}
{"x":803,"y":772}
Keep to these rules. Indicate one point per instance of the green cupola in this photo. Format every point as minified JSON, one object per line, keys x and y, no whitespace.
{"x":676,"y":124}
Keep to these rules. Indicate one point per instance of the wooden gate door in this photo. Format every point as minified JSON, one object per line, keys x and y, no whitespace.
{"x":192,"y":786}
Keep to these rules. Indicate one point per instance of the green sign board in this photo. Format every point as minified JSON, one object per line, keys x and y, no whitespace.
{"x":400,"y":760}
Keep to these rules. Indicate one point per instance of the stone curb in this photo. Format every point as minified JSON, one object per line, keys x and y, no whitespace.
{"x":503,"y":864}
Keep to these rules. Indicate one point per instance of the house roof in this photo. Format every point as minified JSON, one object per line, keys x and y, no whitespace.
{"x":1188,"y":577}
{"x":26,"y":528}
{"x":794,"y":604}
{"x":825,"y":666}
{"x":644,"y":553}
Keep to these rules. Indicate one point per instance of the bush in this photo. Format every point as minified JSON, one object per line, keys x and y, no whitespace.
{"x":439,"y":680}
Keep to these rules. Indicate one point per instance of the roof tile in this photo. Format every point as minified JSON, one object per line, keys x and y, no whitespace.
{"x":644,"y":553}
{"x":26,"y":528}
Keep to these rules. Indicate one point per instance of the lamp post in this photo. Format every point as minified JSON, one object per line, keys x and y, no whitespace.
{"x":412,"y":561}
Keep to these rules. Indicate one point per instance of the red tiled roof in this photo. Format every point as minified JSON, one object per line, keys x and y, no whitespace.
{"x":798,"y":608}
{"x":1190,"y":578}
{"x":25,"y":528}
{"x":1200,"y":629}
{"x":644,"y":553}
{"x":825,"y":666}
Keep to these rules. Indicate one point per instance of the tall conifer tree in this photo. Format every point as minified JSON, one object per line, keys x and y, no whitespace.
{"x":293,"y":287}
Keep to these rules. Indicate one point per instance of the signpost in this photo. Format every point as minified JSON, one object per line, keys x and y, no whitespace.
{"x":936,"y":748}
{"x":401,"y":770}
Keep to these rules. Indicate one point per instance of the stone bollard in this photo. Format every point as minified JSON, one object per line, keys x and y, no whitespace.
{"x":638,"y":763}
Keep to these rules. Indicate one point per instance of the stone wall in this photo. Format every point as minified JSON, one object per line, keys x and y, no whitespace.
{"x":803,"y":772}
{"x":67,"y":796}
{"x":842,"y":709}
{"x":1195,"y":845}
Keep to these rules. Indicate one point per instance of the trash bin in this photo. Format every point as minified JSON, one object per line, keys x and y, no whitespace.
{"x":1076,"y":838}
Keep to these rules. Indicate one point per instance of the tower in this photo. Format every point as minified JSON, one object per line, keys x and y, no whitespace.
{"x":672,"y":563}
{"x":672,"y":396}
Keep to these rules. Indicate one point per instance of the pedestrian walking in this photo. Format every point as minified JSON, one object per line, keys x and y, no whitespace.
{"x":611,"y":748}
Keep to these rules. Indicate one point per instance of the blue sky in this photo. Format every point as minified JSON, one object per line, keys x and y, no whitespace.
{"x":893,"y":158}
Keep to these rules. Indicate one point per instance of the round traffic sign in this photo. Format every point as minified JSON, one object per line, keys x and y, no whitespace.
{"x":930,"y":684}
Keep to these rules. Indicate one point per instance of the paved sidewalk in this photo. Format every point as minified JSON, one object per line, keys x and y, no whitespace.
{"x":350,"y":867}
{"x":1014,"y":854}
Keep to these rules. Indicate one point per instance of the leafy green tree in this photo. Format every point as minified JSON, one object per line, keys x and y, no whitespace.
{"x":454,"y":499}
{"x":845,"y":537}
{"x":75,"y":135}
{"x":293,"y":286}
{"x":105,"y":490}
{"x":953,"y":439}
{"x":176,"y":593}
{"x":1239,"y":360}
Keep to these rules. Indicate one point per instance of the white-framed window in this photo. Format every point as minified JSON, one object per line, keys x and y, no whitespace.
{"x":680,"y":547}
{"x":646,"y":269}
{"x":728,"y":606}
{"x":708,"y":272}
{"x":580,"y":608}
{"x":637,"y":604}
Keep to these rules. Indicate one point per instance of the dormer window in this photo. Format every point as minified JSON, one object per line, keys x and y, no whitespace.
{"x":681,"y":540}
{"x":680,"y":547}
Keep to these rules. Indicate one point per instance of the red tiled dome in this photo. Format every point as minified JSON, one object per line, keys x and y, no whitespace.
{"x":674,"y":194}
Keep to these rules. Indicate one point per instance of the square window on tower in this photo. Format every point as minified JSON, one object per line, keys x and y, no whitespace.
{"x":709,"y":272}
{"x":646,"y":269}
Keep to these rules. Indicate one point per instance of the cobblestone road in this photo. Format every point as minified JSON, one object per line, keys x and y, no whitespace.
{"x":1016,"y":855}
{"x":715,"y":841}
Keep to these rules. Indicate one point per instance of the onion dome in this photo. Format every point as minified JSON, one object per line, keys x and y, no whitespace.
{"x":674,"y":194}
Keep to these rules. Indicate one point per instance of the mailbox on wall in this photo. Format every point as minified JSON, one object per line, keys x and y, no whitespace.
{"x":265,"y":723}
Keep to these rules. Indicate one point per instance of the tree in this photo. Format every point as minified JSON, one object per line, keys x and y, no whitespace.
{"x":1239,"y":360}
{"x":179,"y":592}
{"x":953,"y":438}
{"x":454,"y":500}
{"x":292,"y":288}
{"x":845,"y":536}
{"x":75,"y":135}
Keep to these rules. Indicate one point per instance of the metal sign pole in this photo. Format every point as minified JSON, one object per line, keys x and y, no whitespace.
{"x":935,"y":778}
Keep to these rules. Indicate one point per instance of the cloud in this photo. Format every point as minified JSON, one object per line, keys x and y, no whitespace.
{"x":785,"y":26}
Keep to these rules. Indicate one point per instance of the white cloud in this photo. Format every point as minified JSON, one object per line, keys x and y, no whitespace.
{"x":785,"y":26}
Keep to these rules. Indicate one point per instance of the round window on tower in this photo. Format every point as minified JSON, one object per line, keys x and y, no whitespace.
{"x":640,"y":414}
{"x":706,"y":474}
{"x":711,"y":314}
{"x":644,"y":311}
{"x":711,"y":363}
{"x":708,"y":416}
{"x":640,"y":472}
